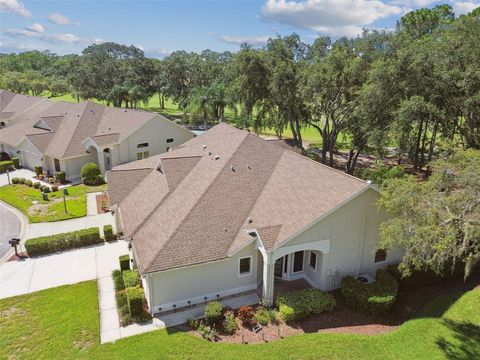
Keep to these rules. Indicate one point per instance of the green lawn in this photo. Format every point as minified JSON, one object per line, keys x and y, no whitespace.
{"x":63,"y":323}
{"x":21,"y":197}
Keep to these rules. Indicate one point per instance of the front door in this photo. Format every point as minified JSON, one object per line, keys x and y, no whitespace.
{"x":278,"y":273}
{"x":57,"y":165}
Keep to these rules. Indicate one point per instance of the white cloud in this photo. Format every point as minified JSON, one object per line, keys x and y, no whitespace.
{"x":51,"y":37}
{"x":140,"y":47}
{"x":464,"y":7}
{"x":14,"y":6}
{"x":158,"y":52}
{"x":60,"y":19}
{"x":36,"y":27}
{"x":333,"y":17}
{"x":252,"y":40}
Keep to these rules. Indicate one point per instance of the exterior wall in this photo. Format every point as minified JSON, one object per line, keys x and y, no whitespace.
{"x":29,"y":156}
{"x":155,"y":133}
{"x":353,"y":231}
{"x":73,"y":166}
{"x":193,"y":283}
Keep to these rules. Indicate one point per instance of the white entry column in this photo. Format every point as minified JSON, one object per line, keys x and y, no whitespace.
{"x":268,"y":278}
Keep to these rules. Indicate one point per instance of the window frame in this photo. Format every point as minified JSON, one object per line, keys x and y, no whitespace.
{"x":249,"y":273}
{"x":170,"y":140}
{"x":143,"y":145}
{"x":381,"y":251}
{"x":314,"y":267}
{"x":303,"y":262}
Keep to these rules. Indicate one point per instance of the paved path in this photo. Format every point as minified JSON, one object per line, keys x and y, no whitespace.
{"x":92,"y":203}
{"x":45,"y":229}
{"x":10,"y":227}
{"x":22,"y":173}
{"x":70,"y":267}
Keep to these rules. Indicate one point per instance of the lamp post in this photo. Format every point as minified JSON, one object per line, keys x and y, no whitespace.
{"x":65,"y":192}
{"x":8,"y":176}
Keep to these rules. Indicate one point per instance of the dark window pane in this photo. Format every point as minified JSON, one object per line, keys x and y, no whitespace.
{"x":169,"y":140}
{"x":298,"y":261}
{"x":142,"y":145}
{"x":245,"y":265}
{"x":313,"y":259}
{"x":380,"y":255}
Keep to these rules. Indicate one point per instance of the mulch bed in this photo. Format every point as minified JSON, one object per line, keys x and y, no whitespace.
{"x":103,"y":203}
{"x":346,"y":320}
{"x":21,"y":256}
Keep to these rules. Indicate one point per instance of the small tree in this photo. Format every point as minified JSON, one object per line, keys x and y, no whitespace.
{"x":90,"y":174}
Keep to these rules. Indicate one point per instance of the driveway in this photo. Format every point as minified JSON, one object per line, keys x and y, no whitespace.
{"x":22,"y":173}
{"x":70,"y":267}
{"x":10,"y":227}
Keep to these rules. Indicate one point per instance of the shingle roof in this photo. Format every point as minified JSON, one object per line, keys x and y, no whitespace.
{"x":221,"y":180}
{"x":13,"y":103}
{"x":70,"y":124}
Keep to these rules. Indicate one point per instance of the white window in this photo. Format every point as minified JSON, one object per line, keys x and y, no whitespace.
{"x":245,"y":266}
{"x":313,"y":260}
{"x":142,"y":155}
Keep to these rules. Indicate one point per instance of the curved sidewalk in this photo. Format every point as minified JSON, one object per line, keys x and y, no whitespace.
{"x":24,"y":224}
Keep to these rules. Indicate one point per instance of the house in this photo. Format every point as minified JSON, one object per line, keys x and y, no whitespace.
{"x":15,"y":108}
{"x":228,"y":212}
{"x":65,"y":136}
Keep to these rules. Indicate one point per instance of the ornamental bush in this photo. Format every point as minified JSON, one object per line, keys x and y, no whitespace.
{"x":135,"y":300}
{"x":246,"y":316}
{"x":262,"y":316}
{"x":89,"y":171}
{"x":15,"y":180}
{"x":124,"y":262}
{"x":15,"y":162}
{"x":36,"y":185}
{"x":6,"y":165}
{"x":229,"y":323}
{"x":296,"y":305}
{"x":64,"y":241}
{"x":213,"y":312}
{"x":373,"y":298}
{"x":54,"y":188}
{"x":118,"y":280}
{"x":108,"y":233}
{"x":131,"y":278}
{"x":22,"y":180}
{"x":29,"y":183}
{"x":60,"y":176}
{"x":38,"y":170}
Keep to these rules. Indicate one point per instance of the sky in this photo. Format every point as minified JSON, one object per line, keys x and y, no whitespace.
{"x":160,"y":27}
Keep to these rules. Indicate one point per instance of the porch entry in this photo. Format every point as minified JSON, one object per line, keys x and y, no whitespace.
{"x":281,"y":267}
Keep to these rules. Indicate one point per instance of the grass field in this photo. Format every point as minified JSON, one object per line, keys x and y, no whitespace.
{"x":22,"y":196}
{"x":63,"y":323}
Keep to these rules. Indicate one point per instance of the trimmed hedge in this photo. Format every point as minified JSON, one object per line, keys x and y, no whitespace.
{"x":124,"y":262}
{"x":38,"y":170}
{"x":97,"y":180}
{"x":60,"y":176}
{"x":64,"y":241}
{"x":135,"y":300}
{"x":36,"y":185}
{"x":118,"y":280}
{"x":16,"y":162}
{"x":29,"y":183}
{"x":131,"y":278}
{"x":6,"y":165}
{"x":213,"y":312}
{"x":296,"y":305}
{"x":108,"y":233}
{"x":22,"y":180}
{"x":374,"y":298}
{"x":15,"y":180}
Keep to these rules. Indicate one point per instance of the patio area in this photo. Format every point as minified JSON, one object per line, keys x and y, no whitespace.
{"x":284,"y":286}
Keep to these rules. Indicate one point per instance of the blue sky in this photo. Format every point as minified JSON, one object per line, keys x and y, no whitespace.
{"x":160,"y":27}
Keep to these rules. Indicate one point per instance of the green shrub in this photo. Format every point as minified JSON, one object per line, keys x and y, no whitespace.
{"x":29,"y":183}
{"x":192,"y":323}
{"x":207,"y":332}
{"x":15,"y":162}
{"x":118,"y":280}
{"x":131,"y":278}
{"x":303,"y":303}
{"x":15,"y":180}
{"x":36,"y":185}
{"x":64,"y":241}
{"x":373,"y":298}
{"x":22,"y":180}
{"x":124,"y":262}
{"x":60,"y":176}
{"x":135,"y":300}
{"x":108,"y":233}
{"x":213,"y":312}
{"x":262,"y":316}
{"x":6,"y":165}
{"x":95,"y":181}
{"x":91,"y":175}
{"x":38,"y":170}
{"x":47,"y":190}
{"x":54,"y":188}
{"x":229,"y":323}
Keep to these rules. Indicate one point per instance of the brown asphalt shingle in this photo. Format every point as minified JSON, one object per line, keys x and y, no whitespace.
{"x":206,"y":215}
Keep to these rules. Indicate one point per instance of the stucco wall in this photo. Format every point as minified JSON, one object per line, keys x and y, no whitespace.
{"x":194,"y":282}
{"x":73,"y":166}
{"x":155,"y":133}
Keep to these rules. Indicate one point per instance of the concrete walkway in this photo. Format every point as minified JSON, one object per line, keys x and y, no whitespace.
{"x":92,"y":203}
{"x":70,"y":267}
{"x":45,"y":229}
{"x":22,"y":173}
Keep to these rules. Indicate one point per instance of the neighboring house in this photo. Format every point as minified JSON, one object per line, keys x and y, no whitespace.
{"x":15,"y":108}
{"x":228,"y":212}
{"x":65,"y":136}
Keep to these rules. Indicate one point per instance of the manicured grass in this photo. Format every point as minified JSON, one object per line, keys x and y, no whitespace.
{"x":21,"y":197}
{"x":63,"y":323}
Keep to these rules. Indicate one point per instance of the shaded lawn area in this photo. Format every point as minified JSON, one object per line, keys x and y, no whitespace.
{"x":22,"y":196}
{"x":63,"y":323}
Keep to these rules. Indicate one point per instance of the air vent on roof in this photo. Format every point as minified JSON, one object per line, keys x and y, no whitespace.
{"x":209,"y":153}
{"x":249,"y":219}
{"x":248,"y":167}
{"x":252,"y":233}
{"x":204,"y":146}
{"x":232,"y":168}
{"x":217,"y":157}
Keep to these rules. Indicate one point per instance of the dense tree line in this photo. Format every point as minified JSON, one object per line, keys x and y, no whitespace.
{"x":405,"y":90}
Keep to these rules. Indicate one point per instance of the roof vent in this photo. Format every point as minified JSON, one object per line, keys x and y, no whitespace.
{"x":125,"y":110}
{"x":232,"y":168}
{"x":252,"y":234}
{"x":204,"y":146}
{"x":217,"y":157}
{"x":248,"y":167}
{"x":369,"y":181}
{"x":209,"y":153}
{"x":249,"y":219}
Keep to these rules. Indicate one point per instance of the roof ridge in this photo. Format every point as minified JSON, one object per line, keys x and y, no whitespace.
{"x":177,"y":229}
{"x":104,"y":134}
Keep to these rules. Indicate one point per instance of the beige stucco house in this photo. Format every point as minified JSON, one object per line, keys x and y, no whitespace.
{"x":228,"y":212}
{"x":64,"y":136}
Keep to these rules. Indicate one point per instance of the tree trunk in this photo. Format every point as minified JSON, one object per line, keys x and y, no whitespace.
{"x":432,"y":140}
{"x":352,"y":160}
{"x":331,"y":146}
{"x":417,"y":146}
